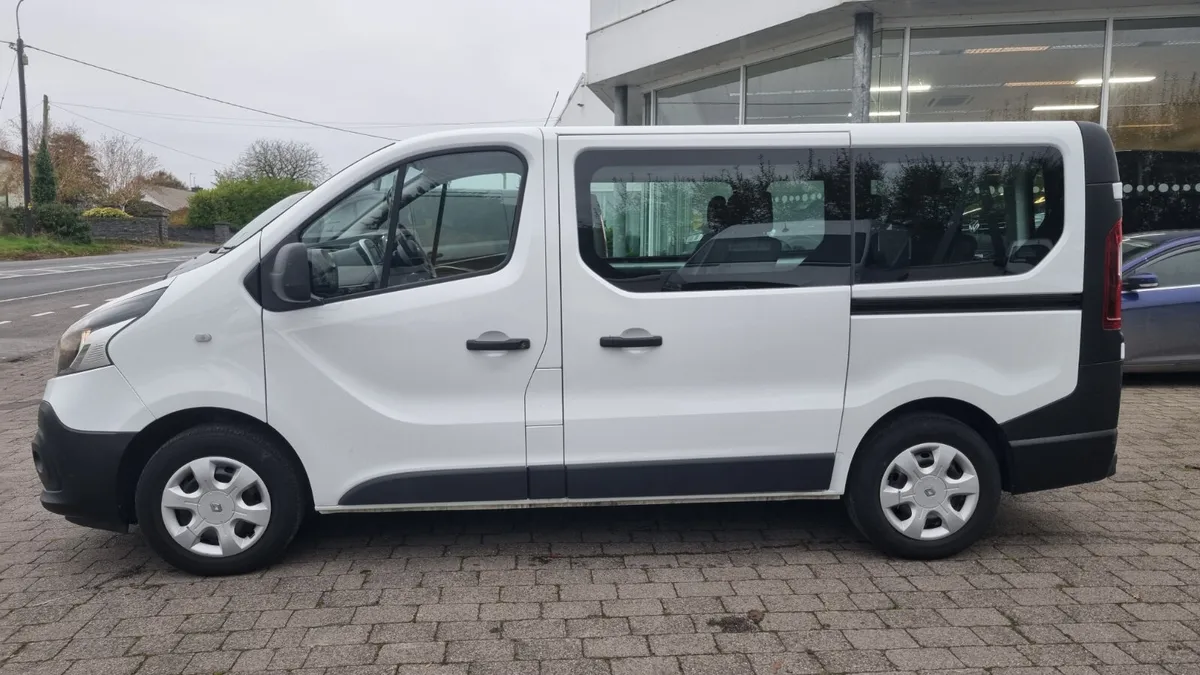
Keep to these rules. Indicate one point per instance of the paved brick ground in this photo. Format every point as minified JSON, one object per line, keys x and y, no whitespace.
{"x":1100,"y":579}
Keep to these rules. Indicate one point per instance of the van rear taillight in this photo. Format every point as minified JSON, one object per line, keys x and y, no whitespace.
{"x":1112,"y":279}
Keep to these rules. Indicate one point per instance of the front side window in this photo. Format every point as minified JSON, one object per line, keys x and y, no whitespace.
{"x":1175,"y":269}
{"x":952,"y":213}
{"x":655,"y":221}
{"x":455,"y":214}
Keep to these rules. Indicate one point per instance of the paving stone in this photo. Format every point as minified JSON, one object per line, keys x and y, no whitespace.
{"x":1096,"y":579}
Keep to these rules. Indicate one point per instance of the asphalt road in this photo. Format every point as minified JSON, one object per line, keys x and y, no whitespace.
{"x":40,"y":298}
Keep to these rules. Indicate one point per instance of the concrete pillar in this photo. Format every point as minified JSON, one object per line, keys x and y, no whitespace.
{"x":621,"y":105}
{"x":860,"y":97}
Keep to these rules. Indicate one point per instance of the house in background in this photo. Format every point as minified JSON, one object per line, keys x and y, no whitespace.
{"x":10,"y":179}
{"x":163,"y":200}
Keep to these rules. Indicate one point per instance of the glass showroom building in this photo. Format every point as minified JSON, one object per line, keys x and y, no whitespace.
{"x":1132,"y":66}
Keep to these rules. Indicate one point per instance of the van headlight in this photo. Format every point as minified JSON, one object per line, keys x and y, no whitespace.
{"x":85,"y":344}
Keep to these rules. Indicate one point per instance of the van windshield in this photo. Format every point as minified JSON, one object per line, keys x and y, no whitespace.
{"x":262,"y":220}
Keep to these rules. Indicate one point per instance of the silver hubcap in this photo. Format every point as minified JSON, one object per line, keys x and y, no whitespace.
{"x":216,"y":506}
{"x":929,"y":491}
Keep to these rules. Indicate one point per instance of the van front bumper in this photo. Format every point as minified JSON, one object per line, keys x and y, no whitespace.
{"x":80,"y":472}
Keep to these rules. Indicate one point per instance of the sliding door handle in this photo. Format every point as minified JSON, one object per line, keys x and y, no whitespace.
{"x":618,"y":342}
{"x":509,"y":345}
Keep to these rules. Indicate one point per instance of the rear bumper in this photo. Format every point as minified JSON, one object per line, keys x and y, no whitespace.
{"x":79,"y":472}
{"x":1058,"y":461}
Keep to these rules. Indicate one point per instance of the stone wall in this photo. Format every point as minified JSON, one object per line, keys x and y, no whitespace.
{"x":200,"y":235}
{"x":154,"y":230}
{"x":129,"y":229}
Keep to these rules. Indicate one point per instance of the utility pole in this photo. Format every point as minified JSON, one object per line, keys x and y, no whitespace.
{"x":24,"y":135}
{"x":24,"y":124}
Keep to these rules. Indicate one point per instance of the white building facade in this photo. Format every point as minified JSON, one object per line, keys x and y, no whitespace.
{"x":1132,"y":66}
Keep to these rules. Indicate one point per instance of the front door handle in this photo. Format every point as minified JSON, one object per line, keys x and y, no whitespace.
{"x":509,"y":345}
{"x":618,"y":342}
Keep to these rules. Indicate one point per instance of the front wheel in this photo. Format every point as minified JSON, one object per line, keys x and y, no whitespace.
{"x":219,"y":499}
{"x":926,"y":486}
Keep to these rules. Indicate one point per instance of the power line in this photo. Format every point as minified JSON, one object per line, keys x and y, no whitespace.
{"x":208,"y":98}
{"x":8,"y":80}
{"x":144,"y":140}
{"x":247,"y":121}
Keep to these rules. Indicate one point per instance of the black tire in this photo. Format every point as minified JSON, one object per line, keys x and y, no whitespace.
{"x":874,"y":457}
{"x":254,"y":449}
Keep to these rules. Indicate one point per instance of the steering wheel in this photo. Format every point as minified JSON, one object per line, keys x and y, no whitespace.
{"x":411,"y":254}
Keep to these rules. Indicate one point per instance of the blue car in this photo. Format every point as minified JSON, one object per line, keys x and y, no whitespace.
{"x":1161,"y":301}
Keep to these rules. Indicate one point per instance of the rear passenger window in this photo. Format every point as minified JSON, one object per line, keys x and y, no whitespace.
{"x":954,"y":213}
{"x":653,"y":221}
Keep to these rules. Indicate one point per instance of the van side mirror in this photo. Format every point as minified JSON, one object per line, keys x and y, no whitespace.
{"x":291,"y":278}
{"x":1137,"y":282}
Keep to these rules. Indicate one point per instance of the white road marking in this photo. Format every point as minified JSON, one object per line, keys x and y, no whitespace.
{"x":4,"y":322}
{"x":81,"y":288}
{"x":89,"y":267}
{"x":40,"y":314}
{"x":109,"y":299}
{"x":80,"y":306}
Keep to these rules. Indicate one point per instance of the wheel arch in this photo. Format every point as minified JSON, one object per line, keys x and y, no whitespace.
{"x":149,"y":440}
{"x":964,"y":412}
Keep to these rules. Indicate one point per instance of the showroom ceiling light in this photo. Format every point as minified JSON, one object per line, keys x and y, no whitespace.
{"x":897,"y":88}
{"x":1065,"y":106}
{"x":1006,"y":50}
{"x":884,"y":113}
{"x":1045,"y":83}
{"x":1096,"y":82}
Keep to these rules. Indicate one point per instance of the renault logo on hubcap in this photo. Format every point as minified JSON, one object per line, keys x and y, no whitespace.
{"x":215,"y":507}
{"x":929,"y":492}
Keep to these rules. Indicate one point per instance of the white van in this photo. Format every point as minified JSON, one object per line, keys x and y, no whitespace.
{"x":912,"y":317}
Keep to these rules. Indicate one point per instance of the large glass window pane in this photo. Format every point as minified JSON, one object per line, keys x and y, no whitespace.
{"x":712,"y":100}
{"x":1154,"y":120}
{"x":1006,"y":73}
{"x":887,"y":56}
{"x":954,"y":213}
{"x":716,"y":219}
{"x":813,"y":87}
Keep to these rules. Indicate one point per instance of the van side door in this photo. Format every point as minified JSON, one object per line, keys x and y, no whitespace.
{"x":705,"y":311}
{"x":404,"y":381}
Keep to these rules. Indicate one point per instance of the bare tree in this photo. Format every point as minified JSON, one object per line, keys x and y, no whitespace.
{"x":123,"y":167}
{"x":274,"y":158}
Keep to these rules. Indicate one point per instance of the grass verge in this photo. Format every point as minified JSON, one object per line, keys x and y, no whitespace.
{"x":36,"y":248}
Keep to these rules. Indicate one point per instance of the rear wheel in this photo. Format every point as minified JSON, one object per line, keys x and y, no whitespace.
{"x":219,"y":499}
{"x":926,"y":486}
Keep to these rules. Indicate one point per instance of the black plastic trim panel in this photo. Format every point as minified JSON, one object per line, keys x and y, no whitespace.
{"x":943,"y":304}
{"x":1059,"y":461}
{"x":718,"y":476}
{"x":433,"y":487}
{"x":79,"y":472}
{"x":723,"y":476}
{"x":547,"y":482}
{"x":1094,"y":406}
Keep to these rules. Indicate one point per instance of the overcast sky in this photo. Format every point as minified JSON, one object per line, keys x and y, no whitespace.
{"x":348,"y":63}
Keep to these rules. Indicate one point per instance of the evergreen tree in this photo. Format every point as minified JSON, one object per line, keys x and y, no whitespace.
{"x":45,"y":186}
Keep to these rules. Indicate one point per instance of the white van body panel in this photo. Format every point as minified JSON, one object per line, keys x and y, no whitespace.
{"x":118,"y":410}
{"x":172,"y":367}
{"x":382,"y":385}
{"x":1014,"y":362}
{"x":741,"y":373}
